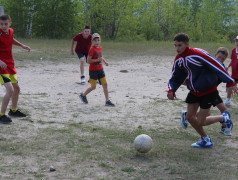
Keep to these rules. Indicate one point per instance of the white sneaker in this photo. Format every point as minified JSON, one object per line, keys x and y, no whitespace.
{"x":82,"y":79}
{"x":227,"y":102}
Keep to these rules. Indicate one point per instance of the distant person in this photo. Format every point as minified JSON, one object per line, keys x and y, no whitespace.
{"x":203,"y":73}
{"x":8,"y":73}
{"x":96,"y":71}
{"x":234,"y":68}
{"x":83,"y":40}
{"x":221,"y":55}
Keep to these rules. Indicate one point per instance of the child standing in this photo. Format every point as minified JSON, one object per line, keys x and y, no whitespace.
{"x":83,"y":40}
{"x":234,"y":69}
{"x":96,"y":71}
{"x":8,"y":76}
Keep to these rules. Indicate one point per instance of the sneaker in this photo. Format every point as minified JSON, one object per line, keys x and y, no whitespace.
{"x":227,"y":120}
{"x":18,"y":113}
{"x":5,"y":119}
{"x":204,"y":142}
{"x":225,"y":132}
{"x":83,"y":79}
{"x":109,"y":103}
{"x":83,"y":98}
{"x":184,"y":122}
{"x":227,"y":102}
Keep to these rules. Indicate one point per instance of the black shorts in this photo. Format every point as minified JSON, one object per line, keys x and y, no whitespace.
{"x":206,"y":101}
{"x":80,"y":55}
{"x":96,"y":74}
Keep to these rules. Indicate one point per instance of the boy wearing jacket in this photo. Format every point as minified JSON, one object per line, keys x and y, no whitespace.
{"x":203,"y":72}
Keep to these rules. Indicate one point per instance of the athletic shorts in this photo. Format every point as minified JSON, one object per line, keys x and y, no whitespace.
{"x":4,"y":78}
{"x":80,"y":55}
{"x":206,"y":101}
{"x":97,"y":75}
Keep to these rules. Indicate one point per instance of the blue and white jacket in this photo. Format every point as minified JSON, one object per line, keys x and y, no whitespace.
{"x":201,"y":71}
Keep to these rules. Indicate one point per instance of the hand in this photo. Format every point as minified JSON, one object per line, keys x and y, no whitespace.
{"x":72,"y":52}
{"x":26,"y":47}
{"x":106,"y":63}
{"x":171,"y":96}
{"x":3,"y":65}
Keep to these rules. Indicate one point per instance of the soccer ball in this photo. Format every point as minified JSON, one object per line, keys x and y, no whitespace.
{"x":143,"y":143}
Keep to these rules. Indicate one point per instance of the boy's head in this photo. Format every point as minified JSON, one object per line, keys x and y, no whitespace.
{"x":5,"y":22}
{"x":181,"y":42}
{"x":96,"y":39}
{"x":221,"y":54}
{"x":236,"y":40}
{"x":86,"y":31}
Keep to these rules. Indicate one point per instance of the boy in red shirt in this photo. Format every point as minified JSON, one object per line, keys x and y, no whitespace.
{"x":234,"y":68}
{"x":83,"y":40}
{"x":8,"y":76}
{"x":96,"y":71}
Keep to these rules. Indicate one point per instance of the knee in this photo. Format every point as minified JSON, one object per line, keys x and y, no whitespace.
{"x":10,"y":91}
{"x":93,"y":87}
{"x":17,"y":89}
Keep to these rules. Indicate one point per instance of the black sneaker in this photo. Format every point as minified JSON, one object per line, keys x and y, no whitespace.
{"x":5,"y":119}
{"x":83,"y":98}
{"x":109,"y":103}
{"x":18,"y":113}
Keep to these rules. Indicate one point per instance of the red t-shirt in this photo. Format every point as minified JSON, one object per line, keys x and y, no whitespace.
{"x":95,"y":53}
{"x":234,"y":63}
{"x":6,"y":41}
{"x":83,"y":45}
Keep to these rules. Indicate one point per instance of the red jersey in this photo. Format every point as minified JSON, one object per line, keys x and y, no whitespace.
{"x":234,"y":63}
{"x":95,"y":53}
{"x":6,"y":41}
{"x":83,"y":45}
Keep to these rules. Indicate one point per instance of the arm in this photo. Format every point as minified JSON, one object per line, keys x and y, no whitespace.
{"x":90,"y":60}
{"x":177,"y":78}
{"x":3,"y":65}
{"x":228,"y":66}
{"x":104,"y":60}
{"x":72,"y":47}
{"x":17,"y":43}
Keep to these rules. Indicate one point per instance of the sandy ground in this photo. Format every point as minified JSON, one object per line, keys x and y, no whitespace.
{"x":49,"y":92}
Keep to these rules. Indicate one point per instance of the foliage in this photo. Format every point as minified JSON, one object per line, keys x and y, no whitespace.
{"x":210,"y":20}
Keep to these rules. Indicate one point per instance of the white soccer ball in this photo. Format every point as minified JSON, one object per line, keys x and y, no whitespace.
{"x":143,"y":143}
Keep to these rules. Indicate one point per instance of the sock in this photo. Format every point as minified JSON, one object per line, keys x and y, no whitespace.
{"x":14,"y":109}
{"x":2,"y":114}
{"x":82,"y":75}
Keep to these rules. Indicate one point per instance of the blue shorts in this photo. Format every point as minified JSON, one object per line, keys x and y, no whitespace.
{"x":80,"y":55}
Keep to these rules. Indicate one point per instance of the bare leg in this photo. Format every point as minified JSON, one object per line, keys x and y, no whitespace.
{"x":7,"y":97}
{"x":105,"y":90}
{"x":193,"y":119}
{"x":205,"y":120}
{"x":82,"y":66}
{"x":15,"y":95}
{"x":89,"y":90}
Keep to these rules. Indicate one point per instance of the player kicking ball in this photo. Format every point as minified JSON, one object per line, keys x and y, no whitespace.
{"x":96,"y":72}
{"x":203,"y":72}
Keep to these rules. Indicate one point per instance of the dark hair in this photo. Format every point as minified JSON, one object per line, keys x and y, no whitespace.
{"x":181,"y":37}
{"x":87,"y":27}
{"x":5,"y":17}
{"x":222,"y":50}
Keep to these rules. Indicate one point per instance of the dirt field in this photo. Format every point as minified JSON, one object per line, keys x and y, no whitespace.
{"x":49,"y":94}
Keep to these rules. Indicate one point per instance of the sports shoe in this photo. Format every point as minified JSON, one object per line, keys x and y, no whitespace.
{"x":204,"y":142}
{"x":109,"y":103}
{"x":83,"y":98}
{"x":82,"y":79}
{"x":227,"y":120}
{"x":18,"y":113}
{"x":5,"y":119}
{"x":227,"y":102}
{"x":225,"y":132}
{"x":184,"y":122}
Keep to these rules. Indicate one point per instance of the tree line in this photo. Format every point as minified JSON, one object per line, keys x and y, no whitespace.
{"x":203,"y":20}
